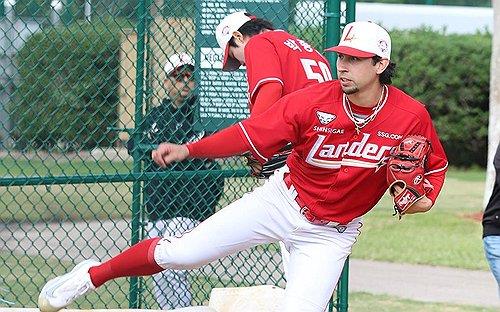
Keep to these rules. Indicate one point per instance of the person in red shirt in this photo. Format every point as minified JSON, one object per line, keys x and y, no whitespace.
{"x":342,"y":133}
{"x":277,"y":63}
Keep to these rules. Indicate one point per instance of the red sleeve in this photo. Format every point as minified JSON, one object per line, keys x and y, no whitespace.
{"x":224,"y":143}
{"x":263,"y":135}
{"x":437,"y":162}
{"x":268,"y":132}
{"x":263,"y":65}
{"x":266,"y":96}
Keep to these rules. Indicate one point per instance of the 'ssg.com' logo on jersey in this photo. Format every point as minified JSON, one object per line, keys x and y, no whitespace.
{"x":391,"y":136}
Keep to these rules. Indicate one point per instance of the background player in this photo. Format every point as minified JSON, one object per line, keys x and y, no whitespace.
{"x":342,"y":132}
{"x":277,"y":63}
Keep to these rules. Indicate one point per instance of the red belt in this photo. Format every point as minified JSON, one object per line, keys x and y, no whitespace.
{"x":306,"y":212}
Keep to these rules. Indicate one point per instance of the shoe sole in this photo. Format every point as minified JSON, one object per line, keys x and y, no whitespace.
{"x":43,"y":302}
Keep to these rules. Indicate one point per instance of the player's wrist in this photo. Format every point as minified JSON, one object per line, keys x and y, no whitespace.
{"x":424,"y":204}
{"x":187,"y":149}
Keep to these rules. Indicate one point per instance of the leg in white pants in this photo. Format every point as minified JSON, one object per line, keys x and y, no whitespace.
{"x":268,"y":215}
{"x":171,"y":287}
{"x":243,"y":224}
{"x":317,"y":258}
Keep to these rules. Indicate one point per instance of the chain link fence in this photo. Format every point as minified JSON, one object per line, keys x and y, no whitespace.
{"x":84,"y":98}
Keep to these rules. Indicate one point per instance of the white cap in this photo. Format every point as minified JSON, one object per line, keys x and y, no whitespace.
{"x":364,"y":39}
{"x":224,"y":32}
{"x":177,"y":60}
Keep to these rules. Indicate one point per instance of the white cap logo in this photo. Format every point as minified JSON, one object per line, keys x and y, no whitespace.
{"x":364,"y":39}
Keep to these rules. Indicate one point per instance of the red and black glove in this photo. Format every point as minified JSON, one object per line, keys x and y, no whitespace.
{"x":406,"y":169}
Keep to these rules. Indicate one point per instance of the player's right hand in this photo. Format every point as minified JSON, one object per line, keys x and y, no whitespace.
{"x":167,"y":153}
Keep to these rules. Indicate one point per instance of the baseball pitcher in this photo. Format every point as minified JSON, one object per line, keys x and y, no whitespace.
{"x":343,"y":134}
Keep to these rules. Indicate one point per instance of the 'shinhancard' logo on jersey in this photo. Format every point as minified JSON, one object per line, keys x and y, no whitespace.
{"x":325,"y":118}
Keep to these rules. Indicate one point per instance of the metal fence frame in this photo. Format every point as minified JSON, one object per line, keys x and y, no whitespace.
{"x":334,"y":19}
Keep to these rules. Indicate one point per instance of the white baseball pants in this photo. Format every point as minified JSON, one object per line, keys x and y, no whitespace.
{"x":269,"y":214}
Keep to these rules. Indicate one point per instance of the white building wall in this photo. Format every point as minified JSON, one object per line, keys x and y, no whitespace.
{"x":454,"y":19}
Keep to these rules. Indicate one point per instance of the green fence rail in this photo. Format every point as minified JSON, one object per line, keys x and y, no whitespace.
{"x":80,"y":85}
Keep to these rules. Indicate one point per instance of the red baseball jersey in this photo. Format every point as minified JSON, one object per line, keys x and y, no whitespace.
{"x":277,"y":56}
{"x":338,"y":173}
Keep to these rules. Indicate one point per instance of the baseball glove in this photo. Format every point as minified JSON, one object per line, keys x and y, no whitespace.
{"x":406,"y":168}
{"x":264,"y":171}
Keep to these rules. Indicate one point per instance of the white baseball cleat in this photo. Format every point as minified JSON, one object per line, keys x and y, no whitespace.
{"x":63,"y":290}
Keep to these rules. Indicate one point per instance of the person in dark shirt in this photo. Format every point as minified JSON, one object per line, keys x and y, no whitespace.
{"x":176,"y":205}
{"x":491,"y":224}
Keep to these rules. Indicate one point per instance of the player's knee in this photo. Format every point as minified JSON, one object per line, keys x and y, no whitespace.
{"x":170,"y":253}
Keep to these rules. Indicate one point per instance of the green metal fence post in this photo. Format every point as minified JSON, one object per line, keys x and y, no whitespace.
{"x":142,"y":17}
{"x":350,"y":11}
{"x":332,"y":37}
{"x":343,"y":289}
{"x":332,"y":31}
{"x":333,"y":26}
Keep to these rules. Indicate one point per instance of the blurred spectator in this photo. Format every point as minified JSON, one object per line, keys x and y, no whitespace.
{"x":176,"y":205}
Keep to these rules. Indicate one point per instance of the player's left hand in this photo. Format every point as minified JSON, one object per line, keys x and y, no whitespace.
{"x":167,"y":153}
{"x":406,"y":175}
{"x":423,"y":204}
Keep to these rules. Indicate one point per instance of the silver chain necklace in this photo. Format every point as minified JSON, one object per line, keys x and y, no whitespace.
{"x":359,"y":124}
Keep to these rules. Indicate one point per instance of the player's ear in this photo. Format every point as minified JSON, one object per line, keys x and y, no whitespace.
{"x":238,"y":37}
{"x":382,"y":65}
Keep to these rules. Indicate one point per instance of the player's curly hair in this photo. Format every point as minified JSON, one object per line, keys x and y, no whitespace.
{"x":252,"y":28}
{"x":386,"y":76}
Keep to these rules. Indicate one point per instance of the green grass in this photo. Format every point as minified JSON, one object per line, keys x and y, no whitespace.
{"x":363,"y":302}
{"x":443,"y":236}
{"x":74,"y":202}
{"x":22,"y":166}
{"x":22,"y":277}
{"x":71,"y":202}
